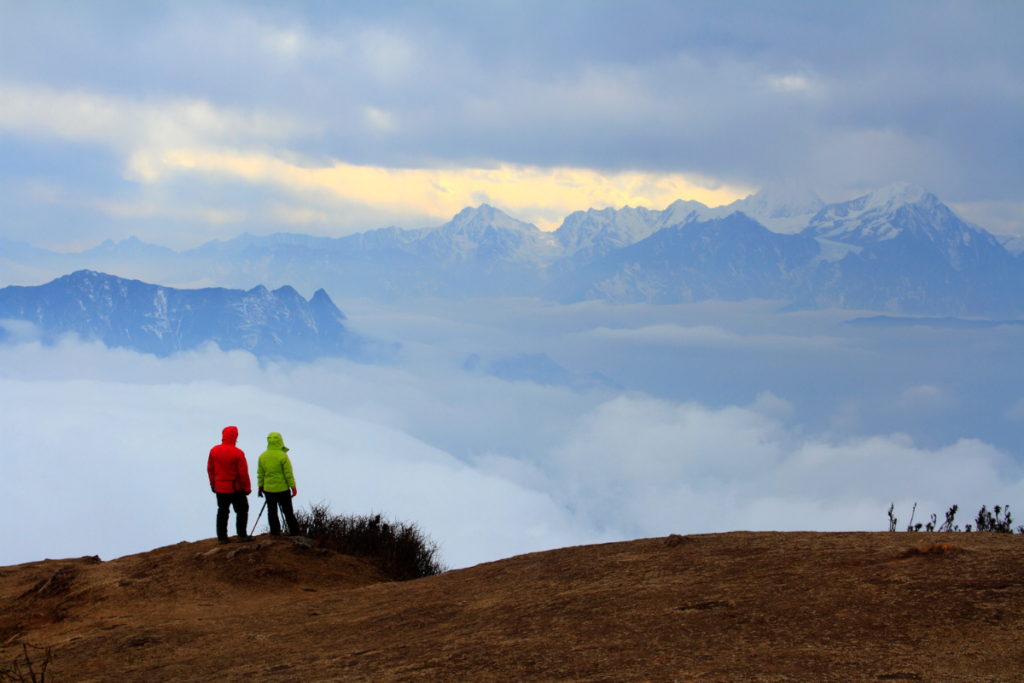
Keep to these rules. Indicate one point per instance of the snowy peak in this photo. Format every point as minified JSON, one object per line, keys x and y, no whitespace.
{"x":474,"y":221}
{"x":615,"y":228}
{"x":908,"y":219}
{"x":588,"y":235}
{"x":775,"y":204}
{"x":487,"y":235}
{"x":733,"y":258}
{"x":684,"y":211}
{"x":1013,"y":244}
{"x":898,"y":194}
{"x":784,"y":211}
{"x":884,"y":214}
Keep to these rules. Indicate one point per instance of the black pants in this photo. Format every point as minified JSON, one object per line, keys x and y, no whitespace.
{"x":284,"y":499}
{"x":226,"y":501}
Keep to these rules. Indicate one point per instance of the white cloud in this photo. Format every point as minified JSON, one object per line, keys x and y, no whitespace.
{"x":770,"y":405}
{"x":141,"y":128}
{"x":108,"y":448}
{"x":643,"y":467}
{"x":164,"y":142}
{"x":113,"y":468}
{"x":670,"y":89}
{"x":790,"y":83}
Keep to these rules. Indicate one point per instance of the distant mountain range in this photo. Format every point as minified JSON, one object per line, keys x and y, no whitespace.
{"x":898,"y":250}
{"x":163,"y":320}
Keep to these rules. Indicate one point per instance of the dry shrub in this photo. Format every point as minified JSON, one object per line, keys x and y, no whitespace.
{"x":401,"y":549}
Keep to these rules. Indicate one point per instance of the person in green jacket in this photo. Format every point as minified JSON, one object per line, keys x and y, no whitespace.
{"x":274,"y":476}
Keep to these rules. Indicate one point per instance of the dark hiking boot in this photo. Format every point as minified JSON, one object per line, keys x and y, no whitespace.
{"x":245,"y":539}
{"x":223,"y":541}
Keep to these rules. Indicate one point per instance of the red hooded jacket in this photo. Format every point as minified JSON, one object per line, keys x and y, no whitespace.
{"x":227,"y":467}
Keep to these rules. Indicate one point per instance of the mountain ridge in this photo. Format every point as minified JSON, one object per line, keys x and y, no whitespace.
{"x":898,"y":250}
{"x":163,"y":320}
{"x":732,"y":259}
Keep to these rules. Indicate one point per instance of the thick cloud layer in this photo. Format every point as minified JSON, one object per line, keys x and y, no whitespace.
{"x":112,"y":469}
{"x":106,"y":449}
{"x":192,"y":120}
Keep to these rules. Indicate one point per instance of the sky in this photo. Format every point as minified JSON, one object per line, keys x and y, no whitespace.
{"x":184,"y":122}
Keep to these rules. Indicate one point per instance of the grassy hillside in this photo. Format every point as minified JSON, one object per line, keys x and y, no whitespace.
{"x":725,"y":607}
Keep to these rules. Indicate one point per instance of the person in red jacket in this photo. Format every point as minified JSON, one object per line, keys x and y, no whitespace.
{"x":229,"y":479}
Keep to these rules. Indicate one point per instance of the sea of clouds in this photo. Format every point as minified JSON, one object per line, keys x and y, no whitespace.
{"x":720,"y":417}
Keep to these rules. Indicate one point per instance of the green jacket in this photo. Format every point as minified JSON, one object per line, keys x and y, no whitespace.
{"x":274,"y":473}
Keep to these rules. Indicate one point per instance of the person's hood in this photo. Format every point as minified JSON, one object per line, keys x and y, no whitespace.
{"x":275,"y":442}
{"x":230,"y":435}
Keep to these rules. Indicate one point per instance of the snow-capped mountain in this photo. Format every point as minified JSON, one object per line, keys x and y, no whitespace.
{"x":732,"y":259}
{"x":164,"y":320}
{"x":883,"y":214}
{"x":482,"y":251}
{"x":486,"y":236}
{"x":589,"y":235}
{"x":900,"y":249}
{"x":896,"y":249}
{"x":1013,"y":244}
{"x":786,"y":211}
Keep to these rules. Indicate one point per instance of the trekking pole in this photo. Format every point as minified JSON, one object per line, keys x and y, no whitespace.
{"x":258,"y":517}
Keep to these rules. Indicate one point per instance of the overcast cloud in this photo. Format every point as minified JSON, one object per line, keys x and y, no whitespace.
{"x":186,"y":121}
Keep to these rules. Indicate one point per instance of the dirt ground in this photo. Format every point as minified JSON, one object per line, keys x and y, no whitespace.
{"x":723,"y":607}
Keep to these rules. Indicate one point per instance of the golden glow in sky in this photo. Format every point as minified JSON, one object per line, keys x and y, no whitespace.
{"x":542,"y":196}
{"x":165,"y":140}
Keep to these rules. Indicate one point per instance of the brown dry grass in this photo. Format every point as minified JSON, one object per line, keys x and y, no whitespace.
{"x":725,"y":607}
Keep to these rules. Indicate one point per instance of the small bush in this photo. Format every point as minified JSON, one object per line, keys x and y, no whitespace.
{"x":986,"y":521}
{"x":401,"y":549}
{"x":998,"y":520}
{"x":950,"y":516}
